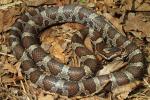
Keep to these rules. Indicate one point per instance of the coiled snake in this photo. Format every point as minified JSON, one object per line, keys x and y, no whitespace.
{"x":65,"y":80}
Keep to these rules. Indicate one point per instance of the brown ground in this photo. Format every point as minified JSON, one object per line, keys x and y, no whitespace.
{"x":130,"y":17}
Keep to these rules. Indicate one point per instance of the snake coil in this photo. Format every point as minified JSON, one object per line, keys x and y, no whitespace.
{"x":65,"y":80}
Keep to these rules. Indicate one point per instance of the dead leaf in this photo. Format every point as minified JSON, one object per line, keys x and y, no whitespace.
{"x":9,"y":68}
{"x":137,"y":23}
{"x":35,"y":2}
{"x":94,"y":98}
{"x":143,"y":7}
{"x":148,"y":69}
{"x":54,"y":44}
{"x":146,"y":82}
{"x":7,"y":17}
{"x":91,"y":5}
{"x":109,"y":2}
{"x":57,"y":51}
{"x":136,"y":5}
{"x":116,"y":22}
{"x":122,"y":92}
{"x":114,"y":66}
{"x":62,"y":2}
{"x":2,"y":39}
{"x":4,"y":49}
{"x":6,"y":79}
{"x":10,"y":5}
{"x":20,"y":76}
{"x":88,"y":43}
{"x":45,"y":97}
{"x":128,"y":4}
{"x":5,"y":1}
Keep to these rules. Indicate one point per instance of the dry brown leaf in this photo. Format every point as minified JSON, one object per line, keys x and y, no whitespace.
{"x":88,"y":43}
{"x":12,"y":60}
{"x":100,"y":7}
{"x":122,"y":92}
{"x":114,"y":66}
{"x":57,"y":51}
{"x":136,"y":23}
{"x":12,"y":69}
{"x":54,"y":45}
{"x":143,"y":7}
{"x":47,"y":97}
{"x":7,"y":18}
{"x":91,"y":5}
{"x":148,"y":68}
{"x":10,"y":5}
{"x":146,"y":82}
{"x":62,"y":2}
{"x":4,"y":49}
{"x":5,"y":1}
{"x":94,"y":98}
{"x":20,"y":76}
{"x":114,"y":21}
{"x":136,"y":5}
{"x":56,"y":39}
{"x":6,"y":79}
{"x":2,"y":39}
{"x":109,"y":2}
{"x":35,"y":2}
{"x":9,"y":68}
{"x":128,"y":4}
{"x":1,"y":21}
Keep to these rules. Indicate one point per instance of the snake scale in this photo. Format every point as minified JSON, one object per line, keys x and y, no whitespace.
{"x":65,"y":80}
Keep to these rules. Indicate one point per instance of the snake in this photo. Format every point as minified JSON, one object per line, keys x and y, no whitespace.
{"x":63,"y":79}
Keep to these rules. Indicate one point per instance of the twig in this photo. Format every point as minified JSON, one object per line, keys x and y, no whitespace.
{"x":5,"y":54}
{"x":10,"y":5}
{"x":24,"y":89}
{"x":146,"y":83}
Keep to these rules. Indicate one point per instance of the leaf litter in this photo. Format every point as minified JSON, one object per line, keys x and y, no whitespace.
{"x":130,"y":17}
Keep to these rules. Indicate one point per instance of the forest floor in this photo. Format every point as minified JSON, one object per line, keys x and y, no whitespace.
{"x":130,"y":17}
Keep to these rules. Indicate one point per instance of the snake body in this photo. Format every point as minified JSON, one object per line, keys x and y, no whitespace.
{"x":65,"y":80}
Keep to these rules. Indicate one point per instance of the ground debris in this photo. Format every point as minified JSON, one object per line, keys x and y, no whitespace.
{"x":130,"y":17}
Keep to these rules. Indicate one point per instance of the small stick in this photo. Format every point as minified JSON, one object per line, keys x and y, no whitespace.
{"x":5,"y":54}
